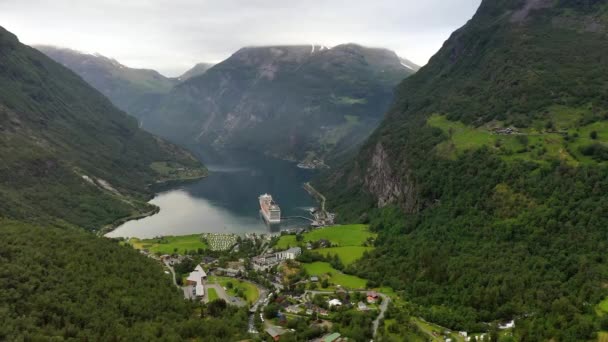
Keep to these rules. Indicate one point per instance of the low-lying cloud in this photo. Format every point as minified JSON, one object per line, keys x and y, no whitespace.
{"x":172,"y":35}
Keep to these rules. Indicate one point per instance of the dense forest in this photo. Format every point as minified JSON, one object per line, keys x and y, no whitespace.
{"x":70,"y":285}
{"x":511,"y":229}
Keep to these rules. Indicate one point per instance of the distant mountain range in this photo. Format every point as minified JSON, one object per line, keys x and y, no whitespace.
{"x":196,"y":70}
{"x":309,"y":103}
{"x":136,"y":91}
{"x":295,"y":102}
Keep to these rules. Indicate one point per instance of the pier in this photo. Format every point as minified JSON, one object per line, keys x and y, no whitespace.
{"x":298,"y":217}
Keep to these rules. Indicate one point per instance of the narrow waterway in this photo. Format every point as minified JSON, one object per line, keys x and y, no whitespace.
{"x":227,"y":200}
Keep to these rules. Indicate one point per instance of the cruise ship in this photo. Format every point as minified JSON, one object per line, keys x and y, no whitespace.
{"x":270,"y":210}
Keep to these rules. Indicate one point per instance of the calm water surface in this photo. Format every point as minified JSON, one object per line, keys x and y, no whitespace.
{"x":227,"y":200}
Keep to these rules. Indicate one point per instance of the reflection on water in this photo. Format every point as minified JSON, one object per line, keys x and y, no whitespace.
{"x":227,"y":200}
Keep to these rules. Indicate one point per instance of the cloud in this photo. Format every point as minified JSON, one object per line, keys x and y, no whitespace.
{"x":172,"y":35}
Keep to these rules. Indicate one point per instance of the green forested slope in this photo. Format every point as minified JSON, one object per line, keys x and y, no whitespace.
{"x":69,"y":159}
{"x":136,"y":91}
{"x":64,"y":284}
{"x":66,"y":152}
{"x":478,"y":225}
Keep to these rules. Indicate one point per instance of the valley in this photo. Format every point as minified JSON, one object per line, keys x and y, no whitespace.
{"x":304,"y":192}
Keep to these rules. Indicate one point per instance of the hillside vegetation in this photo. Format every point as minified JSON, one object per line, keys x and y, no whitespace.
{"x":479,"y":225}
{"x":96,"y":290}
{"x":67,"y":153}
{"x":136,"y":91}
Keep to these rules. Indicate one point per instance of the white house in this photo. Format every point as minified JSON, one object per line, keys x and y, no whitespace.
{"x":291,"y":253}
{"x":508,"y":325}
{"x":197,"y":278}
{"x":334,"y":302}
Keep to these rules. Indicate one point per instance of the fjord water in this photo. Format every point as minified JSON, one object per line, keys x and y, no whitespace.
{"x":227,"y":200}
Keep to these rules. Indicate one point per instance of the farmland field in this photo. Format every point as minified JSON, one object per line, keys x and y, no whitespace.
{"x":249,"y":290}
{"x":323,"y":269}
{"x":347,"y":255}
{"x":347,"y":235}
{"x":349,"y":240}
{"x":169,"y":244}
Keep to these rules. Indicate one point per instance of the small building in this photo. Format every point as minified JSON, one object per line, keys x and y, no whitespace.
{"x":334,"y":302}
{"x":323,"y":243}
{"x":289,"y":254}
{"x":293,"y":309}
{"x":197,"y":278}
{"x":333,"y":337}
{"x":314,"y":279}
{"x":275,"y":332}
{"x":508,"y":325}
{"x":362,"y":306}
{"x":372,"y":297}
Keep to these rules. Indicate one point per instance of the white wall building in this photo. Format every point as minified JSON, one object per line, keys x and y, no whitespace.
{"x":197,"y":278}
{"x":291,"y":253}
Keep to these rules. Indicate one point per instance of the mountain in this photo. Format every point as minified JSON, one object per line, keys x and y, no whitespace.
{"x":71,"y":160}
{"x":197,"y":70}
{"x":294,"y":102}
{"x":67,"y":153}
{"x":487,"y":178}
{"x":136,"y":91}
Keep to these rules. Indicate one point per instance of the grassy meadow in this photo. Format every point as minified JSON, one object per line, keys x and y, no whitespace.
{"x":169,"y":244}
{"x":250,"y":291}
{"x":562,"y":135}
{"x":324,"y":270}
{"x":348,"y":238}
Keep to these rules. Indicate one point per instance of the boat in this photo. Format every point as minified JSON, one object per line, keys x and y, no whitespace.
{"x":270,"y":210}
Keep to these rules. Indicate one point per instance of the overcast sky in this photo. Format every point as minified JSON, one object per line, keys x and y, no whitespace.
{"x":172,"y":35}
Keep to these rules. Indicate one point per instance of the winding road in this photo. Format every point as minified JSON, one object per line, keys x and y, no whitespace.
{"x":172,"y":272}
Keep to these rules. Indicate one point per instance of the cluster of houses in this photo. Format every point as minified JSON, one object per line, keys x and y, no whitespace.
{"x":267,"y":261}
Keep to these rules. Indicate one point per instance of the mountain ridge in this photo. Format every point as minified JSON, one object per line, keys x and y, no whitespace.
{"x":61,"y":135}
{"x":136,"y":91}
{"x":236,"y":102}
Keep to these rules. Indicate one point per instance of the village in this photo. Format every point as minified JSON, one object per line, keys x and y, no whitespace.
{"x":292,"y":283}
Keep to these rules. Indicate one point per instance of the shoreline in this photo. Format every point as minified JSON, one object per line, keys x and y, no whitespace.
{"x":135,"y":217}
{"x":156,"y":189}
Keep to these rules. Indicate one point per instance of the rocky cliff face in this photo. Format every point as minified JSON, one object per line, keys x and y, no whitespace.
{"x":386,"y":185}
{"x":511,"y":63}
{"x":294,"y":102}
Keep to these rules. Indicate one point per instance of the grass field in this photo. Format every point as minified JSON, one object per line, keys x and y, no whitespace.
{"x":286,"y":241}
{"x":212,"y":294}
{"x":347,"y":255}
{"x":349,"y":238}
{"x":169,"y":244}
{"x":602,"y":308}
{"x":249,"y":290}
{"x":347,"y":235}
{"x":322,"y":269}
{"x":534,"y":143}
